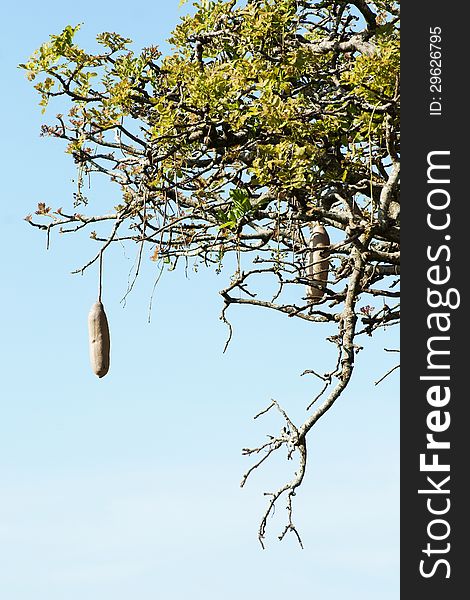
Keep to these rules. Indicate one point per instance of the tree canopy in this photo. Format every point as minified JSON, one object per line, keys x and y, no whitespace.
{"x":268,"y":120}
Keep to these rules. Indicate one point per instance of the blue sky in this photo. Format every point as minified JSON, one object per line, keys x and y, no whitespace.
{"x":128,"y":487}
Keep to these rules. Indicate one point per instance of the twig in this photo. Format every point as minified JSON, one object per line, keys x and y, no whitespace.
{"x":387,"y":374}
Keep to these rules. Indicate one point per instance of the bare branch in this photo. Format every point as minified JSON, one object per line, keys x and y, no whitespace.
{"x":387,"y":374}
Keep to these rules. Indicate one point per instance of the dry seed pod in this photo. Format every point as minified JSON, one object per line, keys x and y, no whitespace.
{"x":98,"y":332}
{"x":318,"y":263}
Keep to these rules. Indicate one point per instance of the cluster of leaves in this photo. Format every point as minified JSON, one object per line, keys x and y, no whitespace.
{"x":267,"y":116}
{"x":239,"y":207}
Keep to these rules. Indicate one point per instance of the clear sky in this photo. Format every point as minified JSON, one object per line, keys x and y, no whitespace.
{"x":128,"y":487}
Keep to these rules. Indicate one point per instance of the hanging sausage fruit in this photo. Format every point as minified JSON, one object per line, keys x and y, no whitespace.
{"x":98,"y":335}
{"x":317,"y":263}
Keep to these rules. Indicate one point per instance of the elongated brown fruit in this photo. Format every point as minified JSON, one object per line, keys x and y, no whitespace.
{"x":318,"y":263}
{"x":98,"y":335}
